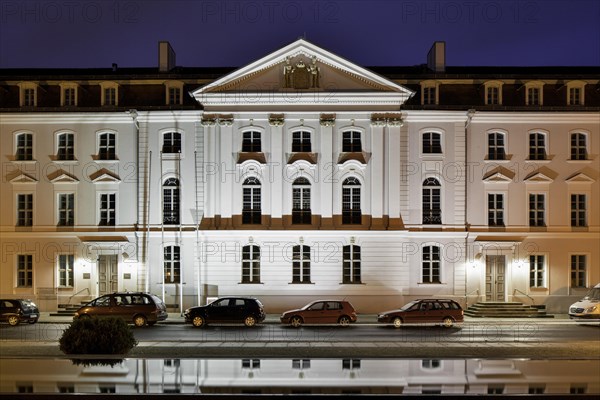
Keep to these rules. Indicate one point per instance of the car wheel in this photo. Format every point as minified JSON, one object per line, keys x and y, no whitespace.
{"x":198,"y":321}
{"x":344,"y":321}
{"x":296,"y":321}
{"x":448,"y":322}
{"x":397,"y":322}
{"x":250,"y":321}
{"x":13,"y":320}
{"x":139,"y":320}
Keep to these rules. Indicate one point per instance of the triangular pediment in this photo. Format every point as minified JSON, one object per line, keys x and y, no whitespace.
{"x":499,"y":175}
{"x":62,"y":176}
{"x":538,"y":177}
{"x":301,"y":73}
{"x":104,"y":176}
{"x":23,"y":178}
{"x":580,"y":178}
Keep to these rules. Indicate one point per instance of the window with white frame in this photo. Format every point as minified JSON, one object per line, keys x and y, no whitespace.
{"x":24,"y":147}
{"x":495,"y":209}
{"x":351,"y":142}
{"x":251,"y":201}
{"x":301,"y":264}
{"x":171,"y":197}
{"x":107,"y":146}
{"x":251,"y":264}
{"x":248,"y":363}
{"x":537,"y":146}
{"x":68,"y":94}
{"x":28,"y":94}
{"x":301,"y":213}
{"x":576,"y":93}
{"x":578,"y":210}
{"x":65,"y":146}
{"x":578,"y":146}
{"x":432,"y":202}
{"x":537,"y":270}
{"x":537,"y":209}
{"x":493,"y":93}
{"x":108,"y":209}
{"x":24,"y":270}
{"x":350,"y":363}
{"x":251,"y":142}
{"x":171,"y":143}
{"x":496,"y":146}
{"x":66,"y":209}
{"x":174,"y":96}
{"x":109,"y":94}
{"x":301,"y":142}
{"x":300,"y":363}
{"x":578,"y":270}
{"x":534,"y":95}
{"x":431,"y":364}
{"x":431,"y":265}
{"x":25,"y":209}
{"x":29,"y":99}
{"x":351,"y":212}
{"x":351,"y":269}
{"x":432,"y":143}
{"x":172,"y":264}
{"x":429,"y":92}
{"x":65,"y":270}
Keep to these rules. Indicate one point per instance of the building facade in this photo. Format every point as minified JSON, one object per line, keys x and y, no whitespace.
{"x":301,"y":176}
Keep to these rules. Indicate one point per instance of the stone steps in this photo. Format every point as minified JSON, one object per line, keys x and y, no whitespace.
{"x":506,"y":310}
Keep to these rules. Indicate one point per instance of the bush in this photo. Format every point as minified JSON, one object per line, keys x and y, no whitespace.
{"x":97,"y":336}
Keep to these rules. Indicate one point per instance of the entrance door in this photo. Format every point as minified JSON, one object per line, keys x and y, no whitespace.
{"x":495,"y":267}
{"x":108,"y":274}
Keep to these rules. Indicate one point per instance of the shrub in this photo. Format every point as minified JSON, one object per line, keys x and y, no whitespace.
{"x":97,"y":336}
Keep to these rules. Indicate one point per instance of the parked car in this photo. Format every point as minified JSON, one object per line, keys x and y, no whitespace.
{"x":246,"y":310}
{"x":321,"y":312}
{"x":436,"y":311}
{"x":15,"y":311}
{"x":138,"y":308}
{"x":588,"y":307}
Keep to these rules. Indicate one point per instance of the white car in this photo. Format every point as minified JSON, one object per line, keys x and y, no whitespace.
{"x":588,"y":307}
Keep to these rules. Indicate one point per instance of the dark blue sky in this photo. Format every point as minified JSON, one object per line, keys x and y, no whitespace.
{"x":97,"y":33}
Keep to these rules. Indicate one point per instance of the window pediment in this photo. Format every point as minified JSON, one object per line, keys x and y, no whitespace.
{"x":61,"y":176}
{"x":580,"y":178}
{"x":23,"y":178}
{"x":104,"y":176}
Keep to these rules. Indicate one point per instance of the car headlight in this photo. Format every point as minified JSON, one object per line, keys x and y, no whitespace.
{"x":591,"y":309}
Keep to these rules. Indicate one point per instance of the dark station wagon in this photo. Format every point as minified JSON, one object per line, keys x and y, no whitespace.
{"x":135,"y":307}
{"x":15,"y":311}
{"x":425,"y":311}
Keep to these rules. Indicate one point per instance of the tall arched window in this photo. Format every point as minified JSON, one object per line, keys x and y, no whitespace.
{"x":301,"y":213}
{"x":351,"y":142}
{"x":172,"y":264}
{"x":301,"y":142}
{"x":24,"y":148}
{"x":432,"y":143}
{"x":171,"y":143}
{"x":432,"y":208}
{"x":496,"y":146}
{"x":251,"y":264}
{"x":301,"y":264}
{"x":351,"y":213}
{"x":578,"y":146}
{"x":537,"y":146}
{"x":251,"y":142}
{"x":107,"y":146}
{"x":251,"y":201}
{"x":171,"y":204}
{"x":65,"y":148}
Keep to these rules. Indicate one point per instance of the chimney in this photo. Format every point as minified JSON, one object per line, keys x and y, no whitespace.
{"x":114,"y":67}
{"x":166,"y":57}
{"x":436,"y":58}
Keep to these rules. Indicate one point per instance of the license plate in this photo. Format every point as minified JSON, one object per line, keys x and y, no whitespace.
{"x":33,"y":315}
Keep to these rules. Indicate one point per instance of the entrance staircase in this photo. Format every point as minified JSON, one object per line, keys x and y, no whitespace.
{"x":506,"y":310}
{"x":66,"y":310}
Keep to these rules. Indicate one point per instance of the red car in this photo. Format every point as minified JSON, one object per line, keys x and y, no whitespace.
{"x":436,"y":311}
{"x":321,"y":312}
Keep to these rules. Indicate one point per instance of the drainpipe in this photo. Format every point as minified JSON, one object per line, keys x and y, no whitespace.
{"x":470,"y":114}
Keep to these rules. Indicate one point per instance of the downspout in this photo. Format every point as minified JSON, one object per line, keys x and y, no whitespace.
{"x":470,"y":114}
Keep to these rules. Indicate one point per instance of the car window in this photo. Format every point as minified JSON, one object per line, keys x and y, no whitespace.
{"x":316,"y":306}
{"x":446,"y":305}
{"x":413,"y":305}
{"x":436,"y":306}
{"x":138,"y":299}
{"x":122,"y":300}
{"x":424,"y":306}
{"x":334,"y":305}
{"x":7,"y":304}
{"x":221,"y":303}
{"x":156,"y":300}
{"x":103,"y":301}
{"x":239,"y":302}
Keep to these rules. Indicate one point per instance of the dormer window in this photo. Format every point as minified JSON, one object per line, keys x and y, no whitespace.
{"x":493,"y":93}
{"x":429,"y":93}
{"x":174,"y":91}
{"x":28,"y":94}
{"x":68,"y":94}
{"x":534,"y":94}
{"x":575,"y":93}
{"x":109,"y":94}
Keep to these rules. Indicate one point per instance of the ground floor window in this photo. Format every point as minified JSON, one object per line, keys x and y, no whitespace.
{"x":251,"y":264}
{"x":578,"y":270}
{"x":301,"y":264}
{"x":25,"y":270}
{"x":537,"y":270}
{"x":65,"y":270}
{"x":431,"y":264}
{"x":351,"y":264}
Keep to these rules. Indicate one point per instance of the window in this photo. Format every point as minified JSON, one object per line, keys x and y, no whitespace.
{"x":107,"y":389}
{"x":172,"y":264}
{"x":496,"y":149}
{"x":110,"y":96}
{"x":24,"y":150}
{"x":496,"y":389}
{"x":25,"y":270}
{"x":171,"y":142}
{"x":578,"y":146}
{"x":69,"y":97}
{"x":248,"y":363}
{"x":29,"y":97}
{"x":351,"y":264}
{"x":301,"y":142}
{"x":66,"y":389}
{"x":24,"y":388}
{"x":537,"y":146}
{"x":65,"y":270}
{"x":107,"y":209}
{"x":351,"y":142}
{"x":576,"y":93}
{"x":537,"y":209}
{"x":174,"y":96}
{"x":301,"y":213}
{"x":301,"y":264}
{"x":348,"y":363}
{"x":251,"y":264}
{"x":65,"y":150}
{"x":578,"y":388}
{"x":495,"y":209}
{"x":578,"y":210}
{"x":251,"y":201}
{"x":432,"y":143}
{"x":578,"y":270}
{"x":351,"y":213}
{"x":300,"y":364}
{"x":533,"y":96}
{"x":537,"y":271}
{"x":492,"y":95}
{"x":107,"y":146}
{"x":66,"y":209}
{"x":171,"y":201}
{"x":429,"y":95}
{"x":574,"y":96}
{"x":431,"y":364}
{"x":251,"y":142}
{"x":536,"y":390}
{"x":432,"y":211}
{"x":431,"y":264}
{"x":24,"y":209}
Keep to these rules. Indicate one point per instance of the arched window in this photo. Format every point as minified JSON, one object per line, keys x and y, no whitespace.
{"x":172,"y":264}
{"x":24,"y":147}
{"x":432,"y":143}
{"x":107,"y":146}
{"x":65,"y":146}
{"x":351,"y":142}
{"x":171,"y":200}
{"x":251,"y":201}
{"x":251,"y":142}
{"x":301,"y":264}
{"x":301,"y":213}
{"x":301,"y":142}
{"x":431,"y":264}
{"x":432,"y":208}
{"x":171,"y":143}
{"x":351,"y":213}
{"x":496,"y":146}
{"x":537,"y":146}
{"x":251,"y":264}
{"x":578,"y":146}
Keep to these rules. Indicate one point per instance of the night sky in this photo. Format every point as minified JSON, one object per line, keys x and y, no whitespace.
{"x":97,"y":33}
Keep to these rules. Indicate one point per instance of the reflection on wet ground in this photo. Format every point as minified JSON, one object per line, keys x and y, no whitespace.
{"x":302,"y":376}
